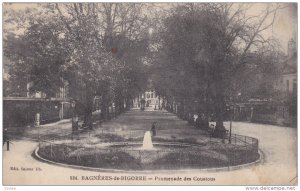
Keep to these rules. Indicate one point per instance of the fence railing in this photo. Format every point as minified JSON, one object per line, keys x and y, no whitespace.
{"x":243,"y":149}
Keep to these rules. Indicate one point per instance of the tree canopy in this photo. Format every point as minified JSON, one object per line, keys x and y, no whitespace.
{"x":207,"y":52}
{"x":199,"y":55}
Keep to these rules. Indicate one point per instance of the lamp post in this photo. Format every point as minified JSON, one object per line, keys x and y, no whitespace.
{"x":232,"y":115}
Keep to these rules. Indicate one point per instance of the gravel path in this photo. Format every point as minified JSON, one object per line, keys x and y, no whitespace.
{"x":278,"y":144}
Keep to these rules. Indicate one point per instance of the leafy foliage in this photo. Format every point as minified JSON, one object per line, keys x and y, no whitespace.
{"x":97,"y":48}
{"x":205,"y":56}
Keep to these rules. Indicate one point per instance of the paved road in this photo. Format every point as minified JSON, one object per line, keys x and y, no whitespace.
{"x":279,"y":145}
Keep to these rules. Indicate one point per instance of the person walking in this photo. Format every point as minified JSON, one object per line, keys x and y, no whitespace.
{"x":5,"y":139}
{"x":143,"y":102}
{"x":4,"y":136}
{"x":153,"y":129}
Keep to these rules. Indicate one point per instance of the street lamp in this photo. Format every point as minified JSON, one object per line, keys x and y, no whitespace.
{"x":232,"y":115}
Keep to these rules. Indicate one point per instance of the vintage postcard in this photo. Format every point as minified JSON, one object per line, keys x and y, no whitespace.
{"x":140,"y":93}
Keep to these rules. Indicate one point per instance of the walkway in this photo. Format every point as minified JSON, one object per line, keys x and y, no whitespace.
{"x":279,"y":145}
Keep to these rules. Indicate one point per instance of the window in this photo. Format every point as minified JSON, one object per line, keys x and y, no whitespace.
{"x":287,"y":85}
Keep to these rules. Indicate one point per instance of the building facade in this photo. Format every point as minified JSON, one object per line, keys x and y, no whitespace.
{"x":27,"y":108}
{"x":152,"y":100}
{"x":282,"y":111}
{"x":288,"y":80}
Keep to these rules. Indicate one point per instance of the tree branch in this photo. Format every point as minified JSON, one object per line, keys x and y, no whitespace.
{"x":62,"y":17}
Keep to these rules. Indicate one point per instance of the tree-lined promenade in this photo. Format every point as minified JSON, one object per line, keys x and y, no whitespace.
{"x":199,"y":56}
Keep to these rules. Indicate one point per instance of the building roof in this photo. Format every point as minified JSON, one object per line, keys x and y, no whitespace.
{"x":288,"y":69}
{"x":32,"y":99}
{"x":290,"y":65}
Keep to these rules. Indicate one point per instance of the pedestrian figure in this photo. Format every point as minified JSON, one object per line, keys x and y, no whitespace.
{"x":5,"y":139}
{"x":74,"y":125}
{"x":204,"y":121}
{"x":153,"y":129}
{"x":4,"y":136}
{"x":143,"y":102}
{"x":198,"y":122}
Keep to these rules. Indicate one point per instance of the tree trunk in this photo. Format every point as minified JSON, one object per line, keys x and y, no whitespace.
{"x":88,"y":107}
{"x":207,"y":104}
{"x":75,"y":119}
{"x":107,"y":111}
{"x":219,"y":110}
{"x":103,"y":110}
{"x":159,"y":106}
{"x":128,"y":103}
{"x":119,"y":102}
{"x":182,"y":109}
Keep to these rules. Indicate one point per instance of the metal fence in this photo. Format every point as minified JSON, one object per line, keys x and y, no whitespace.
{"x":21,"y":111}
{"x":244,"y":149}
{"x":166,"y":155}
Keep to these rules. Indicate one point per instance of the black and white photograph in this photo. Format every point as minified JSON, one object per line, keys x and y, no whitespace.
{"x":150,"y":93}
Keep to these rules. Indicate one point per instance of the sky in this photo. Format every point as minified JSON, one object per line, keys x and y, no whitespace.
{"x":285,"y":25}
